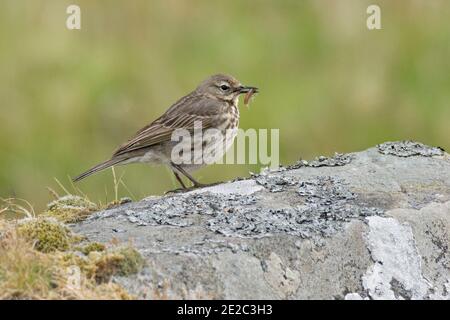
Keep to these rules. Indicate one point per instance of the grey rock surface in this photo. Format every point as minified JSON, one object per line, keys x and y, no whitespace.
{"x":366,"y":225}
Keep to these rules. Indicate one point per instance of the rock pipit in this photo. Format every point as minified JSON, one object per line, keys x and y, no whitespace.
{"x":213,"y":105}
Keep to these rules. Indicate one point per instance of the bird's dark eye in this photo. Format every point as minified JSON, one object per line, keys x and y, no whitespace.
{"x":224,"y":87}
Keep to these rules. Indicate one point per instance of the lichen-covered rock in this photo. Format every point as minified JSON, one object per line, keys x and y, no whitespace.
{"x":409,"y":149}
{"x":339,"y":159}
{"x":367,"y":225}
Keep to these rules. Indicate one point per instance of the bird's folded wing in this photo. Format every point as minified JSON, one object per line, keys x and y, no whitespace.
{"x":183,"y":115}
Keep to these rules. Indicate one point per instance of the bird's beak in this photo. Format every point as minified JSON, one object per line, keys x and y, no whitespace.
{"x":245,"y":89}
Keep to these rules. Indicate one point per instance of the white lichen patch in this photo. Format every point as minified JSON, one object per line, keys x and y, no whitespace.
{"x":242,"y":187}
{"x":397,"y":272}
{"x":354,"y":296}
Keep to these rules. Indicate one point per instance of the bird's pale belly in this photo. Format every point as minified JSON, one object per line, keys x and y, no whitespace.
{"x":217,"y":141}
{"x":196,"y":151}
{"x":216,"y":145}
{"x":157,"y":155}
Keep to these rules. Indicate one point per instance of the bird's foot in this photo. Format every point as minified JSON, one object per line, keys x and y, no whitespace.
{"x":179,"y":190}
{"x":205,"y":185}
{"x":198,"y":185}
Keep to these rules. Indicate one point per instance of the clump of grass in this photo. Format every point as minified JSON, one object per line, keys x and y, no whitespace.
{"x":70,"y":208}
{"x":17,"y":207}
{"x":39,"y":253}
{"x":104,"y":291}
{"x":75,"y":207}
{"x":26,"y":273}
{"x":47,"y":235}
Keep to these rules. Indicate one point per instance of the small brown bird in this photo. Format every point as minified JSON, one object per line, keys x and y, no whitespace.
{"x":214,"y":104}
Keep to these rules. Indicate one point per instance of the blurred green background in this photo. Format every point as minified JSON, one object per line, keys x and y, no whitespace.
{"x":68,"y":98}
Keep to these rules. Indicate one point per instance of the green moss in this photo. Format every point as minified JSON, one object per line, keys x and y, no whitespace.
{"x":70,"y":209}
{"x":132,"y":262}
{"x":124,"y":261}
{"x":93,"y":247}
{"x":47,"y":235}
{"x":101,"y":264}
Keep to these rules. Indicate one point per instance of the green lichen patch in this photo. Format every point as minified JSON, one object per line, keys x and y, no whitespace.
{"x":47,"y":235}
{"x":70,"y":209}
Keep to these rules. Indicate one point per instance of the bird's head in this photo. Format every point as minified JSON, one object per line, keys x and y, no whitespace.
{"x":223,"y":87}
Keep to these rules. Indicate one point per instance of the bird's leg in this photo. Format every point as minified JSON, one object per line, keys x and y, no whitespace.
{"x":179,"y":179}
{"x":183,"y":186}
{"x":187,"y":175}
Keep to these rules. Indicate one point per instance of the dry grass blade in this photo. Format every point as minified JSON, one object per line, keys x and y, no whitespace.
{"x":53,"y":193}
{"x":13,"y":205}
{"x":62,"y":186}
{"x":77,"y":189}
{"x":116,"y":184}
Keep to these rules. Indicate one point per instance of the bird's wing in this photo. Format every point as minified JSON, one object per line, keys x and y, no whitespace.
{"x":182,"y":114}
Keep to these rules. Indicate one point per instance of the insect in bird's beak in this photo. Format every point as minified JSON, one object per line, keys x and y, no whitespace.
{"x":249,"y":92}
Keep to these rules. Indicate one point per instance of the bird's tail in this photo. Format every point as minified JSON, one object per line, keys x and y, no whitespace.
{"x":97,"y":168}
